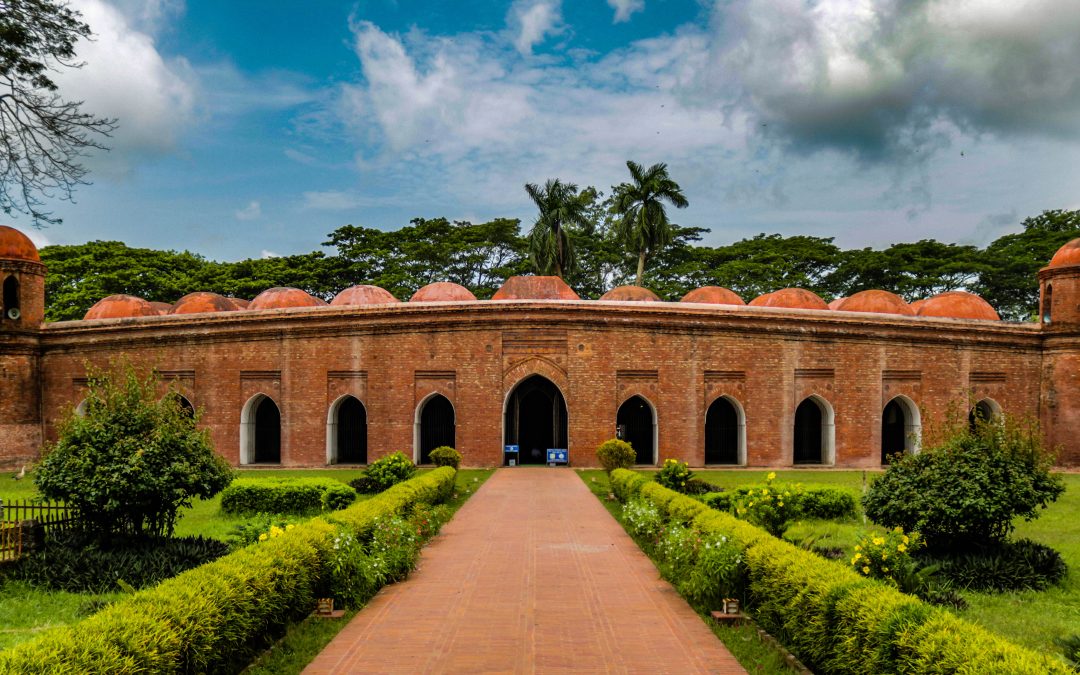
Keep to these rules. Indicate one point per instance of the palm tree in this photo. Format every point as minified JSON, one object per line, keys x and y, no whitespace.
{"x":644,"y":226}
{"x":560,"y":205}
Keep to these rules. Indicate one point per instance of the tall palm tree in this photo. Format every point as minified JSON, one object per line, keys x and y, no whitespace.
{"x":560,"y":205}
{"x":644,"y":227}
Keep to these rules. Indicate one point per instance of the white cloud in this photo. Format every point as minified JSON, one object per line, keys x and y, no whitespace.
{"x":532,"y":21}
{"x":625,"y":8}
{"x":250,"y":212}
{"x":268,"y":254}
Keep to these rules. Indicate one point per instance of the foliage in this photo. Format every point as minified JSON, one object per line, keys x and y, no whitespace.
{"x":388,"y":471}
{"x":71,"y":562}
{"x":42,"y":136}
{"x":825,"y":503}
{"x":249,"y":531}
{"x":885,"y":556}
{"x":445,"y":456}
{"x":717,"y":573}
{"x":133,"y":459}
{"x":967,"y":490}
{"x":643,"y":227}
{"x":771,"y":507}
{"x":561,"y":207}
{"x":615,"y":454}
{"x":1070,"y":649}
{"x":1006,"y":566}
{"x":286,"y":495}
{"x":674,"y":474}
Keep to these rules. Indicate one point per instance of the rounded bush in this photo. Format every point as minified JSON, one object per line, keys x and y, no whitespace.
{"x":615,"y":454}
{"x":1011,"y":566}
{"x":445,"y":456}
{"x":388,"y":471}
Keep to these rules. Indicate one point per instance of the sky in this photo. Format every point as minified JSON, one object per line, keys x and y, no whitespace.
{"x":251,"y":129}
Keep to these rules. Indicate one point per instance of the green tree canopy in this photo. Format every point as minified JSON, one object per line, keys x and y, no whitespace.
{"x":561,"y":207}
{"x":644,"y":226}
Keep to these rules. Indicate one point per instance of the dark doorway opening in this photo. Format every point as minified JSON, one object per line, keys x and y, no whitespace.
{"x":11,"y":296}
{"x":635,"y":425}
{"x":808,"y":432}
{"x":536,"y":419}
{"x":351,"y":432}
{"x":186,"y":406}
{"x":437,"y":426}
{"x":894,"y":424}
{"x":982,"y":412}
{"x":267,"y":432}
{"x":722,"y":433}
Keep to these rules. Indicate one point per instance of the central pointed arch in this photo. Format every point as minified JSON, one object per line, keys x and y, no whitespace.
{"x":636,"y":424}
{"x":725,"y":432}
{"x":535,"y":418}
{"x":260,"y":431}
{"x":901,"y":428}
{"x":435,"y":426}
{"x":346,"y":432}
{"x":815,"y":432}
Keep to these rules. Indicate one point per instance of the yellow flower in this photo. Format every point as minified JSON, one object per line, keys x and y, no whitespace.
{"x":262,"y":537}
{"x":858,"y":548}
{"x":856,"y":558}
{"x":898,"y":529}
{"x":901,"y":548}
{"x":276,"y":531}
{"x":771,"y":476}
{"x":884,"y":569}
{"x":884,"y":556}
{"x":904,"y":539}
{"x":866,"y":570}
{"x":289,"y":527}
{"x":764,"y":492}
{"x":878,"y":541}
{"x":780,"y":503}
{"x":750,"y":504}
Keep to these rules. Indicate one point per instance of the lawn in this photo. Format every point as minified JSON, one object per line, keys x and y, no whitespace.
{"x":1031,"y":618}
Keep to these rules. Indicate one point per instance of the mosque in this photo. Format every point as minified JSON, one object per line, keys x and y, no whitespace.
{"x":784,"y":380}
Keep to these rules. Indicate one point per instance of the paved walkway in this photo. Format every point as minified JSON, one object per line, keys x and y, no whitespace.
{"x":532,"y":575}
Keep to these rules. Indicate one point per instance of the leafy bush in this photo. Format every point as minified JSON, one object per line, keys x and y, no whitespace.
{"x":626,"y":484}
{"x":386,"y":472}
{"x":615,"y":454}
{"x":248,"y":532}
{"x":717,"y":573}
{"x":885,"y":556}
{"x":132,"y":460}
{"x":967,"y":491}
{"x":771,"y":506}
{"x":674,"y":475}
{"x":297,"y":496}
{"x":827,"y":503}
{"x":1008,"y":566}
{"x":365,"y":485}
{"x":644,"y":521}
{"x":74,"y":562}
{"x":444,"y":455}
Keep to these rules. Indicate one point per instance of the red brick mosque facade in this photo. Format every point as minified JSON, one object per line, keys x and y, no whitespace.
{"x":287,"y":379}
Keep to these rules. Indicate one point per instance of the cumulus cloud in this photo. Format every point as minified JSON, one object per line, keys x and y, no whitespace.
{"x":624,"y":8}
{"x":250,"y":212}
{"x":532,"y":21}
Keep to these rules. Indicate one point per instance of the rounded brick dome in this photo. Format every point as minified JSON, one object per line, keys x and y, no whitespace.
{"x":15,"y":245}
{"x":630,"y":294}
{"x":196,"y":303}
{"x":120,"y":307}
{"x":957,"y":305}
{"x":836,"y":303}
{"x":1069,"y":254}
{"x":280,"y":298}
{"x":880,"y":302}
{"x":713,"y":295}
{"x":239,"y":302}
{"x":161,"y":307}
{"x":790,"y":298}
{"x":915,"y":305}
{"x":443,"y":291}
{"x":363,"y":294}
{"x":535,"y":288}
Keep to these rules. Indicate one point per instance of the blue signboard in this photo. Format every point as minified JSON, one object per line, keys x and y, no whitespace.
{"x":558,"y":456}
{"x":510,"y":448}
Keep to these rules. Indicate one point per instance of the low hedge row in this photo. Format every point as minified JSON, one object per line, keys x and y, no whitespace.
{"x":212,"y":618}
{"x":825,"y":503}
{"x":296,"y":496}
{"x":834,"y":619}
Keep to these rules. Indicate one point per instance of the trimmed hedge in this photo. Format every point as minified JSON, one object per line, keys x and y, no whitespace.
{"x":834,"y":619}
{"x":213,"y":618}
{"x":823,"y":503}
{"x":297,"y":496}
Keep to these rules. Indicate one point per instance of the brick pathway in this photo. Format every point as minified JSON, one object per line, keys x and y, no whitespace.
{"x":531,"y":575}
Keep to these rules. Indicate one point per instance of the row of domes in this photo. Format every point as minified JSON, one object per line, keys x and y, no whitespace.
{"x":953,"y":304}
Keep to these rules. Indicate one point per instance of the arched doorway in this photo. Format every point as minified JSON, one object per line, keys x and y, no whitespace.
{"x":636,"y":424}
{"x":900,"y":428}
{"x":723,"y":432}
{"x":435,"y":427}
{"x":185,"y":405}
{"x":11,"y":297}
{"x":260,"y":431}
{"x":986,"y":410}
{"x":346,"y":432}
{"x":535,"y":419}
{"x":813,"y":437}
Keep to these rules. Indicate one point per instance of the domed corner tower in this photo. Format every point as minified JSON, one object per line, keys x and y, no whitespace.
{"x":22,"y":293}
{"x":1059,"y":314}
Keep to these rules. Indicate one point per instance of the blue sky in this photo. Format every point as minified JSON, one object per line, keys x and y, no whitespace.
{"x":256,"y":128}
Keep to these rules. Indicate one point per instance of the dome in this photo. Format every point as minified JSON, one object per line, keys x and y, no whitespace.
{"x":120,"y":307}
{"x":915,"y":305}
{"x":790,"y":298}
{"x":195,"y":303}
{"x":958,"y":305}
{"x":362,"y":295}
{"x":880,"y":302}
{"x":280,"y":298}
{"x":630,"y":294}
{"x":15,"y":245}
{"x":443,"y":291}
{"x":1069,"y":254}
{"x":161,"y":307}
{"x":836,"y":303}
{"x":239,"y":302}
{"x":535,"y":288}
{"x":713,"y":295}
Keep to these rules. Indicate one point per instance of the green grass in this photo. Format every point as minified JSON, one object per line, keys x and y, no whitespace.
{"x":27,"y":611}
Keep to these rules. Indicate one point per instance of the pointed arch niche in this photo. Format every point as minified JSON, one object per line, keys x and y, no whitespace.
{"x":346,"y":432}
{"x":260,"y":431}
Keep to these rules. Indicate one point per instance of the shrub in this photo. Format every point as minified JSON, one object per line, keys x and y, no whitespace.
{"x":770,"y":506}
{"x":389,"y":471}
{"x":626,"y":484}
{"x":967,"y":491}
{"x":1008,"y":566}
{"x":885,"y":556}
{"x":717,"y":573}
{"x":297,"y":496}
{"x":445,"y":456}
{"x":674,"y":475}
{"x":615,"y":454}
{"x":644,"y":521}
{"x":132,"y":460}
{"x":827,"y":503}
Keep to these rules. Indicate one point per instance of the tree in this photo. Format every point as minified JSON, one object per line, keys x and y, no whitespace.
{"x":132,"y":459}
{"x":644,"y":227}
{"x":561,"y":206}
{"x":42,"y":136}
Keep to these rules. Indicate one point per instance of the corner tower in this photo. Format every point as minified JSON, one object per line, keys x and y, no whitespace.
{"x":1059,"y":314}
{"x":22,"y":293}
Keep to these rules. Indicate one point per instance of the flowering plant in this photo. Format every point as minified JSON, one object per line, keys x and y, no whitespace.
{"x":771,"y":506}
{"x":674,"y":475}
{"x":885,"y":556}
